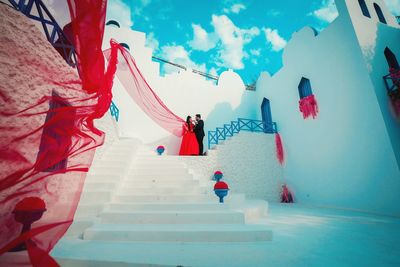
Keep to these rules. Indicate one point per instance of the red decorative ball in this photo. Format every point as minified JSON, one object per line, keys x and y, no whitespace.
{"x":220,"y":185}
{"x":30,"y":204}
{"x":217,"y":172}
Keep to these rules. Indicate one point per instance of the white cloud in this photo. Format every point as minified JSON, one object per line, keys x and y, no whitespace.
{"x":202,"y":40}
{"x":255,"y":52}
{"x":178,"y":55}
{"x":152,"y":42}
{"x":120,"y":12}
{"x":276,"y":41}
{"x":274,"y":13}
{"x":327,"y":12}
{"x":228,"y":40}
{"x":394,"y":6}
{"x":235,"y":8}
{"x":232,"y":40}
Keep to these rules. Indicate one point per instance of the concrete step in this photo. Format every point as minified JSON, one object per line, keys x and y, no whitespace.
{"x":172,"y":217}
{"x":156,"y":158}
{"x":181,"y":198}
{"x":159,"y":171}
{"x":166,"y":206}
{"x":110,"y":163}
{"x":175,"y":178}
{"x":99,"y":185}
{"x":150,"y":182}
{"x":178,"y":233}
{"x":152,"y":163}
{"x":95,"y":197}
{"x":108,"y":170}
{"x":134,"y":190}
{"x":78,"y":226}
{"x":121,"y":147}
{"x":120,"y":155}
{"x":103,"y":178}
{"x":88,"y":210}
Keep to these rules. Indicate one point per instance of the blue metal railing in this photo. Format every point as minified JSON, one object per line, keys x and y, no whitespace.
{"x":221,"y":133}
{"x":114,"y":111}
{"x":392,"y":83}
{"x":52,"y":30}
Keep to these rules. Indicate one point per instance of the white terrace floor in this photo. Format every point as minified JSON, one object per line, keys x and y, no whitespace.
{"x":302,"y":236}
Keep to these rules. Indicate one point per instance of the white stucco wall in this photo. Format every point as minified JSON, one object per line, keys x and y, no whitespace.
{"x":373,"y":37}
{"x":248,"y":161}
{"x":344,"y":157}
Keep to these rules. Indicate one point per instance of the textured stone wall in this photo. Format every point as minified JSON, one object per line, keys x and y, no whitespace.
{"x":248,"y":161}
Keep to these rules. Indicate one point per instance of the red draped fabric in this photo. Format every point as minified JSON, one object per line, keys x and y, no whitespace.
{"x":308,"y":106}
{"x":394,"y":95}
{"x":142,"y":94}
{"x":279,"y":149}
{"x":47,"y":143}
{"x":48,"y":137}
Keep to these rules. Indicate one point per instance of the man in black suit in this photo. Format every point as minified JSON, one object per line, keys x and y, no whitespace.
{"x":199,"y":131}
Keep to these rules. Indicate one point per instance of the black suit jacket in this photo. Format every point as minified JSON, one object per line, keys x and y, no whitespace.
{"x":199,"y":129}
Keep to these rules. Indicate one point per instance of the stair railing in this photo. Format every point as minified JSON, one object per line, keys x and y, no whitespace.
{"x":222,"y":133}
{"x":114,"y":111}
{"x":392,"y":81}
{"x":55,"y":35}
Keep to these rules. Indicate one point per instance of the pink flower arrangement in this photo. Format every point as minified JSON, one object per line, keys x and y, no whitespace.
{"x":308,"y":106}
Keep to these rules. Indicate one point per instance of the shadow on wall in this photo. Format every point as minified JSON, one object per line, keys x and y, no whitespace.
{"x":387,"y":37}
{"x":224,"y":114}
{"x":220,"y":115}
{"x":171,"y":143}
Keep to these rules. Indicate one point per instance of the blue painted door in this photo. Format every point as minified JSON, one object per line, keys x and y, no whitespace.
{"x":266,"y":115}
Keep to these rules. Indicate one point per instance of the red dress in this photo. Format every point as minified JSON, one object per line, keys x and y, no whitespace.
{"x":189,"y":145}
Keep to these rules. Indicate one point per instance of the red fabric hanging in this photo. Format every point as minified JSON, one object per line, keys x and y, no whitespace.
{"x":395,"y":75}
{"x":137,"y":87}
{"x":308,"y":106}
{"x":394,"y":95}
{"x":279,"y":149}
{"x":88,"y":21}
{"x":48,"y":137}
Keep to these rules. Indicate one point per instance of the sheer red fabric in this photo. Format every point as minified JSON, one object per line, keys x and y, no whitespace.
{"x":137,"y":87}
{"x":48,"y":137}
{"x":279,"y":149}
{"x":308,"y":106}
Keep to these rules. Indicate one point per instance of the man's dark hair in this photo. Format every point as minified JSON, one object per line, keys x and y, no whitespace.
{"x":198,"y":115}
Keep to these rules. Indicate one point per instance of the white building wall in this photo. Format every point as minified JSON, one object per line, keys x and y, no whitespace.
{"x":344,"y":157}
{"x":373,"y":37}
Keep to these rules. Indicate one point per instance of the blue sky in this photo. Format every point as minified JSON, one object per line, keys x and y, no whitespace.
{"x":214,"y":35}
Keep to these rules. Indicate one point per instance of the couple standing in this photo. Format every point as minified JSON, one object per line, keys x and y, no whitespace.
{"x":193,"y":135}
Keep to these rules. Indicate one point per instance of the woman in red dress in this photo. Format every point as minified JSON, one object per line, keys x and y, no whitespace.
{"x":189,"y":145}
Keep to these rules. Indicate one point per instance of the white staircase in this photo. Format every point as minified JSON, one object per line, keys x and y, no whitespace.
{"x":133,"y":195}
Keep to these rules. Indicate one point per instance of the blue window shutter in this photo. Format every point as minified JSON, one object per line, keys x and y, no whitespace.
{"x":379,"y":13}
{"x":364,"y":8}
{"x":304,"y":88}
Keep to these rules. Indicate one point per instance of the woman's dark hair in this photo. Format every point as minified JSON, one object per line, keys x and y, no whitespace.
{"x":188,"y":121}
